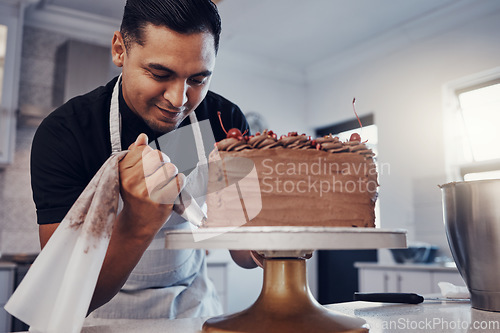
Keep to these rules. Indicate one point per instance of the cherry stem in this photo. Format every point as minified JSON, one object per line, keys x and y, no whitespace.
{"x":354,"y":108}
{"x":220,"y":120}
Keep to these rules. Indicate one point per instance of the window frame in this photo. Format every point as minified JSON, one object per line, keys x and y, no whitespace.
{"x":347,"y":125}
{"x":456,"y":167}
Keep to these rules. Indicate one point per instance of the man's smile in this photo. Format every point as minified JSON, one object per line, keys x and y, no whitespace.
{"x":170,"y":112}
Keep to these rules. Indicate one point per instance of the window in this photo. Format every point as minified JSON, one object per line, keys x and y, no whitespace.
{"x":472,"y":119}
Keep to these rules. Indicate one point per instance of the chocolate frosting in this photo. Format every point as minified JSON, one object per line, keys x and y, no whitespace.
{"x":268,"y":140}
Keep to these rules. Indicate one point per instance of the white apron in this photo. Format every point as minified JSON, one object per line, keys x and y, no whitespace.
{"x":165,"y":283}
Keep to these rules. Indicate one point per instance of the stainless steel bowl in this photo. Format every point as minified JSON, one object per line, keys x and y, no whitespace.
{"x":471,"y":212}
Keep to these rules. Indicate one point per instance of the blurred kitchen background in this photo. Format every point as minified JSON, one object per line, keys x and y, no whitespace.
{"x":425,"y":75}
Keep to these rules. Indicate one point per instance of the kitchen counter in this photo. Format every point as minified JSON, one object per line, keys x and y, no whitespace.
{"x":430,"y":316}
{"x":7,"y":265}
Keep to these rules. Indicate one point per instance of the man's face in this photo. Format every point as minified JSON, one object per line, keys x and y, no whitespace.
{"x":165,"y":79}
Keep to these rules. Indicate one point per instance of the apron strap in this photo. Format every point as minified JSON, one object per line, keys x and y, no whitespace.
{"x":115,"y":121}
{"x":200,"y":148}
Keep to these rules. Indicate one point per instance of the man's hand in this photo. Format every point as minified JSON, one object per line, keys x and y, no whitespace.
{"x":149,"y":186}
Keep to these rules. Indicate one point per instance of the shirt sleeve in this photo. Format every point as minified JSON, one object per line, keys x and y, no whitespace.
{"x":57,"y":178}
{"x":239,"y":121}
{"x":231,"y":115}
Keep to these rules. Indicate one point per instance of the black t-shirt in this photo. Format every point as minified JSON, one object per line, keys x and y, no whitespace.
{"x":73,"y":142}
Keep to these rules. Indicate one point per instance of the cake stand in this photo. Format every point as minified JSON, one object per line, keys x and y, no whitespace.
{"x":285,"y":303}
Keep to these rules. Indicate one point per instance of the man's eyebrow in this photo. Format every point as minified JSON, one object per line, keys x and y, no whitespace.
{"x":203,"y":73}
{"x":160,"y":68}
{"x":166,"y":69}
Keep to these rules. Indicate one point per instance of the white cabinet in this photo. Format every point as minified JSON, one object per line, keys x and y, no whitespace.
{"x":83,"y":67}
{"x":11,"y":24}
{"x":218,"y":273}
{"x":394,"y":281}
{"x":6,"y":288}
{"x":238,"y":288}
{"x":421,"y":279}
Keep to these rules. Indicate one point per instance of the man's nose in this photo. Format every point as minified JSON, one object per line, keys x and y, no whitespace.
{"x":176,"y":93}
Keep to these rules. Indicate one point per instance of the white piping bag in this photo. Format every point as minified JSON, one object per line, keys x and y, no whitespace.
{"x":55,"y":295}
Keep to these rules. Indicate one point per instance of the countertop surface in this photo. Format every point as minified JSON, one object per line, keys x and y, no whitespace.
{"x":7,"y":265}
{"x":430,"y":316}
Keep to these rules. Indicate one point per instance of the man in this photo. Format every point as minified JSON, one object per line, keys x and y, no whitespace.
{"x":167,"y":51}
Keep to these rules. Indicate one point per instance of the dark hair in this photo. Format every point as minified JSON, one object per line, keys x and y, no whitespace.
{"x":182,"y":16}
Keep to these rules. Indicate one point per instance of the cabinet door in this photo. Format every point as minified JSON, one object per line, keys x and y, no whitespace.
{"x":10,"y":55}
{"x":218,"y":274}
{"x":6,"y":286}
{"x":395,"y":281}
{"x":4,"y":320}
{"x":373,"y":280}
{"x":413,"y":282}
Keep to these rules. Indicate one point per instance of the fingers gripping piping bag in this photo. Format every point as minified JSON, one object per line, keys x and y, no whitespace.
{"x":55,"y":294}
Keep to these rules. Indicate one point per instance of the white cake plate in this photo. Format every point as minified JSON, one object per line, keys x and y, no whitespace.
{"x":286,"y":238}
{"x":285,"y":303}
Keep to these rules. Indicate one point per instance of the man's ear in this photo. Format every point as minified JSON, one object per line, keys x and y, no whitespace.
{"x":118,"y":49}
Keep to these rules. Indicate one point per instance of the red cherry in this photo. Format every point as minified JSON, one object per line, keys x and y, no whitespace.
{"x":257,"y":134}
{"x":234,"y":133}
{"x":313,"y":143}
{"x":355,"y":137}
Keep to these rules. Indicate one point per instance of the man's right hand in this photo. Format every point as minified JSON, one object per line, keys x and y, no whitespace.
{"x":149,"y":185}
{"x":144,"y":213}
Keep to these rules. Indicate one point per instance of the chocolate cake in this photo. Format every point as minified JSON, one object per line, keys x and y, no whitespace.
{"x":291,"y":181}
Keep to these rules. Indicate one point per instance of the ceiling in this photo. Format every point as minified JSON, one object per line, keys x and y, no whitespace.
{"x":309,"y":31}
{"x":302,"y":33}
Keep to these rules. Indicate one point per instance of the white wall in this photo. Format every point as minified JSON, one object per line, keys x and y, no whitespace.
{"x":404,"y":91}
{"x":276,"y":93}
